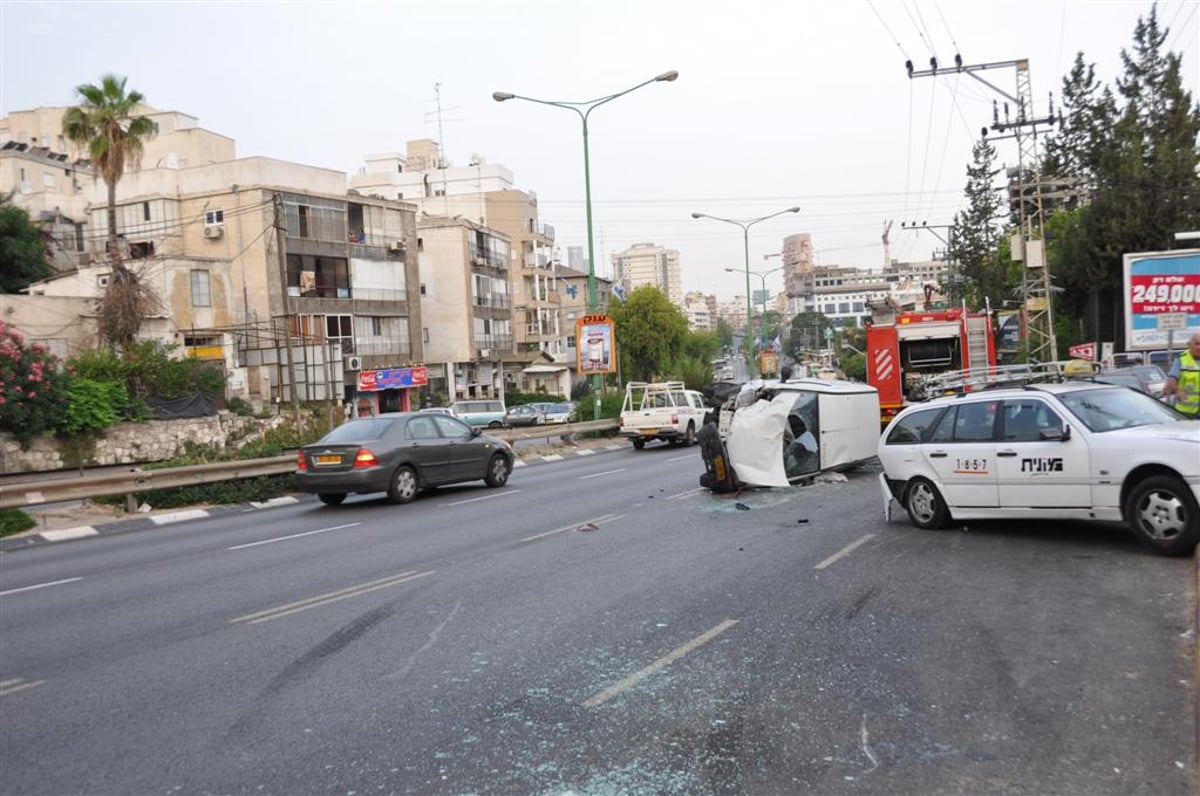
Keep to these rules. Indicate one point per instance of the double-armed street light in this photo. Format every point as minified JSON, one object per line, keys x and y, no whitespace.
{"x":745,"y":224}
{"x":584,"y":109}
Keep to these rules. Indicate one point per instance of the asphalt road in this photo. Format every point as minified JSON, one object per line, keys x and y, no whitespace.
{"x":492,"y":641}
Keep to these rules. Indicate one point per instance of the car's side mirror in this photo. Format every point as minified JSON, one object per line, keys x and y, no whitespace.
{"x":1060,"y":434}
{"x":476,"y":431}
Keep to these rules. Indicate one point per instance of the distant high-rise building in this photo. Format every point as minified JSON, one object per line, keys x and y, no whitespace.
{"x":575,"y":258}
{"x":797,"y":264}
{"x":650,"y":264}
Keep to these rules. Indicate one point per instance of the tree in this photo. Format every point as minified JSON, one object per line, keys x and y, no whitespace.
{"x":650,"y":332}
{"x":976,"y":232}
{"x":807,"y":333}
{"x":106,"y":125}
{"x":22,"y":249}
{"x":725,"y":333}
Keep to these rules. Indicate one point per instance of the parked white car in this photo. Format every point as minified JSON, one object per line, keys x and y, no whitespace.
{"x":1075,"y":450}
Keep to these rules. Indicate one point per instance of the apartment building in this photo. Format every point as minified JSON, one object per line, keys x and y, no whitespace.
{"x":843,"y":293}
{"x":650,"y":264}
{"x":327,"y":310}
{"x":485,"y":194}
{"x":700,"y":310}
{"x":798,"y":262}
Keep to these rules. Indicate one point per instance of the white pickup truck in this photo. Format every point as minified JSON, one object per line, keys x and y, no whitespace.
{"x":661,"y":410}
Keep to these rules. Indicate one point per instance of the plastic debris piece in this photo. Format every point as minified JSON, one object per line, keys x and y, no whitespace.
{"x":802,"y":521}
{"x":741,"y":507}
{"x":588,"y":526}
{"x":145,"y":508}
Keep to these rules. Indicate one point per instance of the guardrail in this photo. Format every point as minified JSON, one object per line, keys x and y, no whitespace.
{"x":135,"y":480}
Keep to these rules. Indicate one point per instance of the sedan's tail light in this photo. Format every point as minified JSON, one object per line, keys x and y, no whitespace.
{"x":364,"y":458}
{"x":301,"y":462}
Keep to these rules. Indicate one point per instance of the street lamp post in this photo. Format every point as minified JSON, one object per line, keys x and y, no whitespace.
{"x":745,"y":224}
{"x":584,"y":109}
{"x":762,"y":318}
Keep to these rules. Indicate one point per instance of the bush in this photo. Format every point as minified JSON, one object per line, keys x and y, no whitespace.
{"x":92,"y":405}
{"x":151,"y":371}
{"x":240,"y":407}
{"x":33,"y":387}
{"x":14,"y":521}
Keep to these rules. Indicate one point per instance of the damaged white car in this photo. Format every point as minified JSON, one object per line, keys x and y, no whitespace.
{"x":774,"y":433}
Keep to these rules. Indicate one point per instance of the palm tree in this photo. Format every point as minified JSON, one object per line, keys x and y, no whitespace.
{"x":104,"y":123}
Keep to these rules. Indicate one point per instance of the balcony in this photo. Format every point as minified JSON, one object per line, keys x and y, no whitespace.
{"x":377,"y":346}
{"x":499,"y":301}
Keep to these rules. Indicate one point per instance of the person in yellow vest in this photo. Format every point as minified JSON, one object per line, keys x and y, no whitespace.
{"x":1183,"y":379}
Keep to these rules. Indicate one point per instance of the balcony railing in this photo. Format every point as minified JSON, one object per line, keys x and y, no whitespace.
{"x":499,"y":301}
{"x":378,"y":346}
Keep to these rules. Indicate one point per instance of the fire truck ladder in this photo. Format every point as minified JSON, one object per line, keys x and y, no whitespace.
{"x":960,"y":381}
{"x":977,"y":344}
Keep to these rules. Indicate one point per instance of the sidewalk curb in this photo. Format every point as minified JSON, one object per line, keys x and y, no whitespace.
{"x":10,"y":544}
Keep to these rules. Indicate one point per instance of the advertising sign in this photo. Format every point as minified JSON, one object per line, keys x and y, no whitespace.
{"x":1083,"y":351}
{"x":1008,"y":336}
{"x":595,"y":345}
{"x":1156,"y":284}
{"x":392,"y":379}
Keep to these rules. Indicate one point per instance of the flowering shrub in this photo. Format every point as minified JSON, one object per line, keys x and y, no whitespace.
{"x":33,"y":391}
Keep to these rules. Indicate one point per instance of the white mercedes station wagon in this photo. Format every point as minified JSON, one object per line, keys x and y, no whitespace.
{"x":1071,"y":450}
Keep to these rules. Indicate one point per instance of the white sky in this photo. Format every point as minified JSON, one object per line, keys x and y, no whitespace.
{"x":777,"y":104}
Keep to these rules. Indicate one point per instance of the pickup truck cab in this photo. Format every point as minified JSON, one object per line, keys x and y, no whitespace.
{"x":661,"y":410}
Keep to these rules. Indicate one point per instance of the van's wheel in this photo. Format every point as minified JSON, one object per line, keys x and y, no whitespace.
{"x":925,"y":506}
{"x":689,"y":437}
{"x":495,"y":424}
{"x":638,"y":444}
{"x":405,"y":485}
{"x":1163,"y":515}
{"x":331,"y":498}
{"x":497,"y":471}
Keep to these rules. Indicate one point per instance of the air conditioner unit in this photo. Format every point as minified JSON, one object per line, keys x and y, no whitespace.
{"x":397,"y":247}
{"x":481,"y":261}
{"x":484,"y":353}
{"x":213,"y":232}
{"x":102,"y":280}
{"x":353,"y":363}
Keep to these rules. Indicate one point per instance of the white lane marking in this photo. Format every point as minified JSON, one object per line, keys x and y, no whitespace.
{"x":554,"y":457}
{"x":69,"y":533}
{"x":685,"y":495}
{"x":603,"y":518}
{"x":505,"y":493}
{"x":519,"y":463}
{"x":13,"y":686}
{"x":585,"y":452}
{"x":661,"y":663}
{"x":280,"y":611}
{"x":178,"y":516}
{"x":597,"y":475}
{"x":39,"y":586}
{"x":845,"y":551}
{"x":293,"y":536}
{"x":279,"y":501}
{"x":681,"y":458}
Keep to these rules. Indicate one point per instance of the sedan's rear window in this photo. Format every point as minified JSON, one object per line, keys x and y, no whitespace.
{"x":359,"y":430}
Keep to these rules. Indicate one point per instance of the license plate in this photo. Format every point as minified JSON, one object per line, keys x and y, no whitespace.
{"x":329,"y":460}
{"x":648,"y":431}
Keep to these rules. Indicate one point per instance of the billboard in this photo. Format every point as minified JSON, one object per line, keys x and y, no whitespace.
{"x":595,"y":345}
{"x":1161,"y":284}
{"x":392,"y":379}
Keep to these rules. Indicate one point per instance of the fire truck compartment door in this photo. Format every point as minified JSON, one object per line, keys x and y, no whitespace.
{"x":928,"y":331}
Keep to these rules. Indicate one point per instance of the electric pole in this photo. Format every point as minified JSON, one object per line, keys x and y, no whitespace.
{"x":1029,"y":244}
{"x":277,"y":202}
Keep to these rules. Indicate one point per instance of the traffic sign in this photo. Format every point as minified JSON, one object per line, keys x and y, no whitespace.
{"x":1172,"y":321}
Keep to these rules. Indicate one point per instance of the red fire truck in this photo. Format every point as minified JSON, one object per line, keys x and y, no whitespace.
{"x":906,"y":348}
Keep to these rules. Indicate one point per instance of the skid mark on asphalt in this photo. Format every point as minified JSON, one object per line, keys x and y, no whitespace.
{"x":433,"y":637}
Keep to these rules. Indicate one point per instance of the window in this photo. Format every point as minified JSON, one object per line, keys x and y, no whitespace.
{"x":400,"y":195}
{"x":145,"y":211}
{"x":201,"y":289}
{"x":910,"y":430}
{"x":318,"y":277}
{"x":376,"y":326}
{"x":422,"y":288}
{"x":425,"y":334}
{"x":48,"y":180}
{"x":970,"y":422}
{"x":141,"y":250}
{"x":214,"y":217}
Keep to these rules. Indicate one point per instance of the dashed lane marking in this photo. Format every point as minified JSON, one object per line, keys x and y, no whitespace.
{"x":603,"y":518}
{"x":38,"y":586}
{"x":280,"y":611}
{"x":293,"y":536}
{"x":845,"y":551}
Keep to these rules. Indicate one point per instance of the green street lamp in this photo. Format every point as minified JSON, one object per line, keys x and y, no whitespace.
{"x":745,"y":224}
{"x":762,"y":320}
{"x":584,"y":109}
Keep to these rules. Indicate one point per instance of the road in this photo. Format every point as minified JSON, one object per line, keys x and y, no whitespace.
{"x":599,"y":626}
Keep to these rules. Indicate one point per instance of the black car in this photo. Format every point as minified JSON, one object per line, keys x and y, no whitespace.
{"x":400,"y":453}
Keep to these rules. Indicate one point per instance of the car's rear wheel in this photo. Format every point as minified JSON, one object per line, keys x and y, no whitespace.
{"x":1163,"y":515}
{"x":495,"y":424}
{"x":925,"y":506}
{"x":638,"y":444}
{"x":689,"y":437}
{"x":405,"y":485}
{"x":331,"y":498}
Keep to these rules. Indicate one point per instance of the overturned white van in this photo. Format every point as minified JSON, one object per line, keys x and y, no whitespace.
{"x":778,"y":433}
